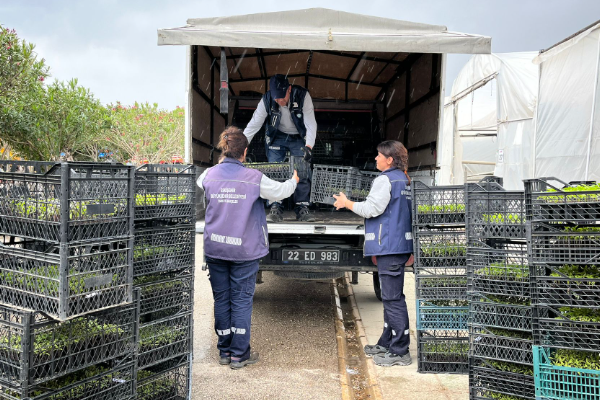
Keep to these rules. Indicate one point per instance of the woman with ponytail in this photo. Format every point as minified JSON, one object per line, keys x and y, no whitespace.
{"x":388,"y":238}
{"x":235,"y":238}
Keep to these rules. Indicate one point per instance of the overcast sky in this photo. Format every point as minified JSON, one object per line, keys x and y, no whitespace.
{"x":110,"y":45}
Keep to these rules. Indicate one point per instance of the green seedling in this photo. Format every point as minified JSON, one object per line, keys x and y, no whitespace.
{"x":514,"y":272}
{"x":512,"y":367}
{"x":508,"y":218}
{"x":575,"y":359}
{"x":441,"y":209}
{"x":571,"y":197}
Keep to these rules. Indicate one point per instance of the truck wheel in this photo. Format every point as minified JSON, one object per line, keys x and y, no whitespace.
{"x":309,"y":275}
{"x":377,"y":286}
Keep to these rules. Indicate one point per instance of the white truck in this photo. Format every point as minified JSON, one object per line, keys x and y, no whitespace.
{"x":370,"y":78}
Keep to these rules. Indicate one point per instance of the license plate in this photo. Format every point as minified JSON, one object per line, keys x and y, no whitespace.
{"x":311,"y":256}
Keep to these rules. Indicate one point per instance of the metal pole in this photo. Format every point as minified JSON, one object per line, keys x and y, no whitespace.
{"x":535,"y":127}
{"x":589,"y":150}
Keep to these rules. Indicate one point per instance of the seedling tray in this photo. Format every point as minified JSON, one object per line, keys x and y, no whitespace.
{"x":165,"y":339}
{"x":441,"y":287}
{"x":569,"y":286}
{"x":485,"y":312}
{"x":550,"y":199}
{"x":163,"y":248}
{"x":68,"y":280}
{"x":36,"y":349}
{"x":557,"y":382}
{"x":438,"y":205}
{"x":443,"y":249}
{"x":485,"y":380}
{"x":101,"y":382}
{"x":562,"y":245}
{"x":552,"y":327}
{"x":499,"y":344}
{"x":432,"y":316}
{"x":443,"y":352}
{"x":278,"y":171}
{"x":165,"y":191}
{"x":165,"y":295}
{"x":493,"y":212}
{"x":328,"y":180}
{"x":498,"y":271}
{"x":171,"y":383}
{"x":66,"y":202}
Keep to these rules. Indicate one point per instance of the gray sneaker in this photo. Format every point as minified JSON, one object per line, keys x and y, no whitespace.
{"x":225,"y":360}
{"x":389,"y":359}
{"x":276,"y":215}
{"x":375,"y":349}
{"x":253,"y":359}
{"x":304,"y":215}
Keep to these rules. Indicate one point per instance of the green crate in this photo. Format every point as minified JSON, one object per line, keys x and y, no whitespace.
{"x":554,"y":382}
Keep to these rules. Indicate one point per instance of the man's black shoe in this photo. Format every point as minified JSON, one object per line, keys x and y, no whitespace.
{"x":276,"y":215}
{"x":253,"y":359}
{"x":304,"y":215}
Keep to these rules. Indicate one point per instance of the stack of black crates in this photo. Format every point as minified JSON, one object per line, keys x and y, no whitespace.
{"x":441,"y":278}
{"x":564,"y":257}
{"x":68,"y":314}
{"x":163,"y":270}
{"x":500,"y":314}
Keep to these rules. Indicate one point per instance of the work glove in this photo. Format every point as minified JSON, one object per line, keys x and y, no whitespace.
{"x":307,"y":153}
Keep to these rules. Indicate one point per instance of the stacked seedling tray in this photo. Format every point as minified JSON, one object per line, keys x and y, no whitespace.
{"x":68,"y":319}
{"x":500,"y":314}
{"x":328,"y":180}
{"x":163,"y":268}
{"x":564,"y":256}
{"x":441,"y":278}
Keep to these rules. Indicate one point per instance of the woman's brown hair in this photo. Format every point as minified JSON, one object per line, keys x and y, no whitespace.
{"x":396,"y":150}
{"x":232,"y":142}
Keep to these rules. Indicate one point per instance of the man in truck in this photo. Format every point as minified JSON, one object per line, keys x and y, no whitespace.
{"x":289,"y":116}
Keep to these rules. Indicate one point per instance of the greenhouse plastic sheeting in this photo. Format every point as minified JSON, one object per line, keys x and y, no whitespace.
{"x":509,"y":113}
{"x":567,"y":138}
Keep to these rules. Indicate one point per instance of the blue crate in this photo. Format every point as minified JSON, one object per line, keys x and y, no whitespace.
{"x":432,"y":316}
{"x":553,"y":382}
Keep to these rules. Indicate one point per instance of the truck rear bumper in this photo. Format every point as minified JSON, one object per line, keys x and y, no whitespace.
{"x":350,"y":260}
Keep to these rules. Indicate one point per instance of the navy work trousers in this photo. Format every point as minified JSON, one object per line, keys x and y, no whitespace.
{"x":233,"y":285}
{"x":276,"y":151}
{"x":396,"y":334}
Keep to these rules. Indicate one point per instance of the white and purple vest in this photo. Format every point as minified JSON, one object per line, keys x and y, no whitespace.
{"x":236,"y":224}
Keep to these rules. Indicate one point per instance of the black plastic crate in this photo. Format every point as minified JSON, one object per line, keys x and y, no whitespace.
{"x":489,"y":378}
{"x":165,"y":191}
{"x":441,"y":287}
{"x":493,"y":212}
{"x":443,"y":352}
{"x":562,"y":244}
{"x":163,"y":248}
{"x":501,"y":270}
{"x":550,"y":199}
{"x":36,"y":349}
{"x":100,"y":382}
{"x":328,"y":180}
{"x":501,"y":344}
{"x":170,"y":383}
{"x":66,"y":202}
{"x":164,"y":295}
{"x":277,"y":171}
{"x":438,"y":205}
{"x":164,"y":339}
{"x":566,"y":286}
{"x":301,"y":166}
{"x":486,"y":311}
{"x":440,"y":249}
{"x":67,"y":280}
{"x":562,"y":328}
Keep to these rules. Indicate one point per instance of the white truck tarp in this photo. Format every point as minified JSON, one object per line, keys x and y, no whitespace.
{"x":489,"y":120}
{"x":567,"y":137}
{"x":323,"y":29}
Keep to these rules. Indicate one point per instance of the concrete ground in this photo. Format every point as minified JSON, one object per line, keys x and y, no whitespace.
{"x":404,"y":382}
{"x":292,"y":328}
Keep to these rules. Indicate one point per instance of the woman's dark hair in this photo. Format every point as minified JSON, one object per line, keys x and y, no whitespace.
{"x":233,"y":142}
{"x":396,"y":150}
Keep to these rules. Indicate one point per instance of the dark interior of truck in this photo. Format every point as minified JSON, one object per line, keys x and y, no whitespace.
{"x":360,"y":99}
